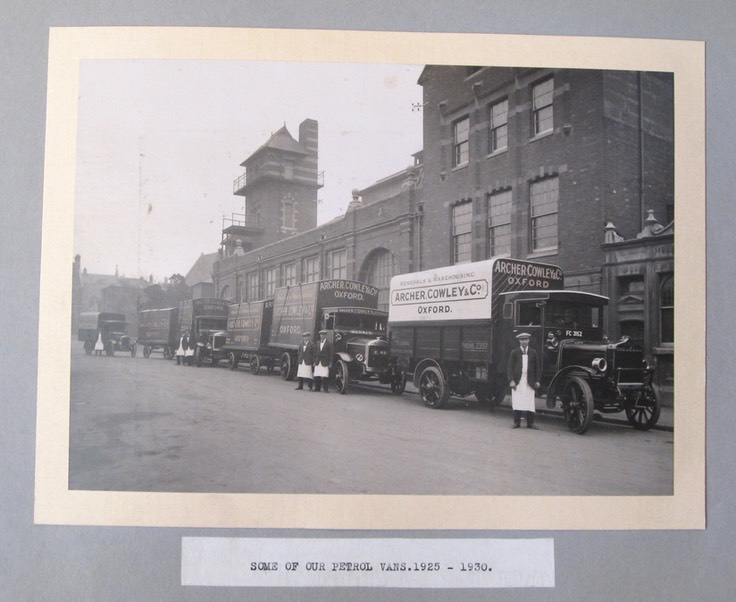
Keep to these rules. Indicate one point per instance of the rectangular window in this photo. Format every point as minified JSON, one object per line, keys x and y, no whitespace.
{"x":288,"y":214}
{"x":498,"y":120}
{"x":544,"y":200}
{"x":252,"y":287}
{"x":461,"y":142}
{"x":542,"y":95}
{"x":270,"y":278}
{"x":337,"y":264}
{"x":289,"y":274}
{"x":499,"y":223}
{"x":310,"y":269}
{"x":462,"y":232}
{"x":667,"y":307}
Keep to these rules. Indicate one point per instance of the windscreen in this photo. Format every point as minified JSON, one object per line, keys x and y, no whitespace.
{"x":565,"y":314}
{"x":360,"y":322}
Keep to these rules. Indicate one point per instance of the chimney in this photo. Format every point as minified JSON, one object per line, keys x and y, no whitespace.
{"x":309,"y":137}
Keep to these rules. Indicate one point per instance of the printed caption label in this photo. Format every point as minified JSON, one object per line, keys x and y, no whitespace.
{"x":401,"y":563}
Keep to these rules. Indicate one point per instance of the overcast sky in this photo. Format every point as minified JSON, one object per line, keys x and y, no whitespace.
{"x":160,"y":144}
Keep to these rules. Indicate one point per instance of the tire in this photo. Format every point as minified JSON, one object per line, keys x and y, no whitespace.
{"x":577,"y":404}
{"x":255,"y":364}
{"x":398,"y":382}
{"x":287,"y":366}
{"x":232,"y":360}
{"x":483,"y":395}
{"x":88,"y":349}
{"x":342,"y":376}
{"x":433,"y":389}
{"x":146,"y":351}
{"x":642,"y":408}
{"x":168,"y":353}
{"x":499,"y":392}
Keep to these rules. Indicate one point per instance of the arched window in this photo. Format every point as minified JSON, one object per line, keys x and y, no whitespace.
{"x":667,"y":310}
{"x":378,"y":269}
{"x":226,"y":293}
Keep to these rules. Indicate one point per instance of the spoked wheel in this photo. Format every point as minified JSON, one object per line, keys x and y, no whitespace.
{"x":147,"y":351}
{"x":342,"y":376}
{"x":232,"y":360}
{"x":286,"y":367}
{"x":642,"y":408}
{"x":433,"y":389}
{"x":577,"y":404}
{"x":398,"y":382}
{"x":255,"y":364}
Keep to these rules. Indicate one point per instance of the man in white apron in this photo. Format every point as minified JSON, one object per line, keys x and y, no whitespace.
{"x":181,"y":350}
{"x":99,"y":345}
{"x":523,"y":373}
{"x":323,"y":358}
{"x":305,"y":361}
{"x":191,"y":346}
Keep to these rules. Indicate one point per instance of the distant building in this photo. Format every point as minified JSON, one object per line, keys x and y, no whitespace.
{"x":199,"y":277}
{"x":104,"y":292}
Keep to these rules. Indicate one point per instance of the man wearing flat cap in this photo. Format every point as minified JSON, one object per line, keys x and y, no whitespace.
{"x":323,"y":358}
{"x":305,"y":361}
{"x":523,"y":372}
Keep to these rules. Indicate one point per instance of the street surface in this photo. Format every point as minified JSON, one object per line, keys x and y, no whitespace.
{"x":149,"y":425}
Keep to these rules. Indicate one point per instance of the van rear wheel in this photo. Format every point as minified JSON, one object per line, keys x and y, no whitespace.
{"x":433,"y":389}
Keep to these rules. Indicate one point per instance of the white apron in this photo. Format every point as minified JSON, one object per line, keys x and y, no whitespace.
{"x":321,"y":371}
{"x":304,"y":371}
{"x":522,"y":398}
{"x":99,"y":346}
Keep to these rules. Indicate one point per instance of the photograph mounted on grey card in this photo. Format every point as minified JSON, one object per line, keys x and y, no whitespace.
{"x":369,"y":279}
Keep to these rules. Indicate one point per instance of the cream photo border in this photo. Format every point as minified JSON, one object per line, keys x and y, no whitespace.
{"x":56,"y":504}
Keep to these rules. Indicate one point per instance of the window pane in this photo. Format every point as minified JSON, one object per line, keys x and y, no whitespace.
{"x":542,"y":97}
{"x":544,"y":203}
{"x":499,"y":129}
{"x":461,"y":132}
{"x":499,"y":223}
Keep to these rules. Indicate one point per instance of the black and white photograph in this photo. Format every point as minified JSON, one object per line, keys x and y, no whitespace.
{"x":420,"y":279}
{"x":368,"y":301}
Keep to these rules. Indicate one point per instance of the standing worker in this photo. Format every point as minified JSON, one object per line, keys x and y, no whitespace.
{"x":523,"y":373}
{"x":182,"y":349}
{"x":305,"y":361}
{"x":189,"y":347}
{"x":99,"y":345}
{"x":322,"y":362}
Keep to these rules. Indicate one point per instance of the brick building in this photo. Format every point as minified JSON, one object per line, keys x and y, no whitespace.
{"x":528,"y":163}
{"x":533,"y":163}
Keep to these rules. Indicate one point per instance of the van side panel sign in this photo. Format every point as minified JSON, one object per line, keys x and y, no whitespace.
{"x":467,"y":291}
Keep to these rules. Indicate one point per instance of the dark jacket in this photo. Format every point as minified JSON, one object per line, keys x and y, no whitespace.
{"x":306,"y":353}
{"x":324,"y":356}
{"x":533,"y":370}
